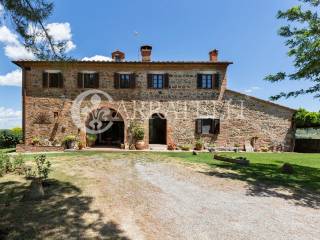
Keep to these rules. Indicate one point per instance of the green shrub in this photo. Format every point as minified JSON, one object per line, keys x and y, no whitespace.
{"x":138,"y":133}
{"x":43,"y":166}
{"x":5,"y":164}
{"x":10,"y":138}
{"x":199,"y":144}
{"x":91,"y":139}
{"x":18,"y":164}
{"x":35,"y":141}
{"x":303,"y":118}
{"x":185,"y":147}
{"x":69,"y":139}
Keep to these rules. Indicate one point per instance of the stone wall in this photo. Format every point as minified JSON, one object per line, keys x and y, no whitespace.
{"x":22,"y":148}
{"x":242,"y":118}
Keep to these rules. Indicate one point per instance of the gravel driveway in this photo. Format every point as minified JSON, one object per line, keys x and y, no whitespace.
{"x":169,"y":200}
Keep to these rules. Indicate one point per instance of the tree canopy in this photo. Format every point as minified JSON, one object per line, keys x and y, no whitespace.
{"x":27,"y":18}
{"x":303,"y":39}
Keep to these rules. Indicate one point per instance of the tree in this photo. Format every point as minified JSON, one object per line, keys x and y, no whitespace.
{"x":303,"y":40}
{"x":27,"y":18}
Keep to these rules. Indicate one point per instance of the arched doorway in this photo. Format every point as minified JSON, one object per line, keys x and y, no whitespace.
{"x":157,"y":129}
{"x":109,"y":127}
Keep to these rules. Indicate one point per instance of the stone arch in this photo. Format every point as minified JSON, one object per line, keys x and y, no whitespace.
{"x":115,"y":108}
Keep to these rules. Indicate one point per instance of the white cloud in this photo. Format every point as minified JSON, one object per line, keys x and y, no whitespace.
{"x":9,"y":118}
{"x":60,"y":32}
{"x":97,"y":58}
{"x":13,"y":78}
{"x":16,"y":51}
{"x":252,"y":89}
{"x":7,"y":37}
{"x":12,"y":47}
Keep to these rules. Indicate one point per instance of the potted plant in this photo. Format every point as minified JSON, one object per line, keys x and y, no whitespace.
{"x":172,"y":146}
{"x":69,"y":141}
{"x":199,"y":144}
{"x":91,"y":139}
{"x":35,"y":141}
{"x":138,"y":134}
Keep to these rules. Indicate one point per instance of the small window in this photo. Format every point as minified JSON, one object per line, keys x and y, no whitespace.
{"x":208,"y":81}
{"x":88,"y":80}
{"x":124,"y":80}
{"x":157,"y":81}
{"x":208,"y":126}
{"x":52,"y":80}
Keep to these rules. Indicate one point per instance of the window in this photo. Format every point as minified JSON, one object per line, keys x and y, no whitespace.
{"x":208,"y":81}
{"x":124,"y":80}
{"x":208,"y":126}
{"x":158,"y":81}
{"x":88,"y":80}
{"x":52,"y":80}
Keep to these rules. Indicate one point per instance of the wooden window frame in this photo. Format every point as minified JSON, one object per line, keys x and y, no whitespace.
{"x":47,"y":80}
{"x":118,"y":81}
{"x":214,"y":126}
{"x":82,"y":81}
{"x":156,"y":77}
{"x":215,"y":82}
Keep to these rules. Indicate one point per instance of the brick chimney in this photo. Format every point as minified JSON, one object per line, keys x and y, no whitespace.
{"x":118,"y":56}
{"x":214,"y":55}
{"x":146,"y":51}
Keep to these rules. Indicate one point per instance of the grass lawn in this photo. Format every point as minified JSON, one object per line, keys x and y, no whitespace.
{"x":264,"y":168}
{"x":7,"y":150}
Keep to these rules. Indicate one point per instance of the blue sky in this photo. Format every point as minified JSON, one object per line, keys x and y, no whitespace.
{"x":245,"y":32}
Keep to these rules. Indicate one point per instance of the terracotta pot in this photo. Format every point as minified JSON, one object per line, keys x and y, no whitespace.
{"x":140,"y":145}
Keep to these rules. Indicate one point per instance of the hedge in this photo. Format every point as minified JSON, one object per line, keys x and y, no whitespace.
{"x":10,"y":138}
{"x":303,"y":118}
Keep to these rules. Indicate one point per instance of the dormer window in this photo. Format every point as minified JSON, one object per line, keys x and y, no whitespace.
{"x":88,"y":80}
{"x":52,"y":79}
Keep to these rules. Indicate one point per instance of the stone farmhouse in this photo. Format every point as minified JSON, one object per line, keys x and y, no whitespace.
{"x":175,"y":101}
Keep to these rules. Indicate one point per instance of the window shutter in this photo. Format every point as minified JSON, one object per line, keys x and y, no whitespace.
{"x":132,"y":80}
{"x":216,"y":81}
{"x":45,"y":80}
{"x":216,"y":126}
{"x":199,"y":81}
{"x":60,"y":84}
{"x":166,"y":80}
{"x":116,"y":80}
{"x":97,"y":80}
{"x":198,"y":126}
{"x":149,"y":77}
{"x":80,"y":80}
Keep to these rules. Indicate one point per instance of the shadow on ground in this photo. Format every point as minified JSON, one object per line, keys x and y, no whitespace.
{"x":266,"y":179}
{"x":63,"y":214}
